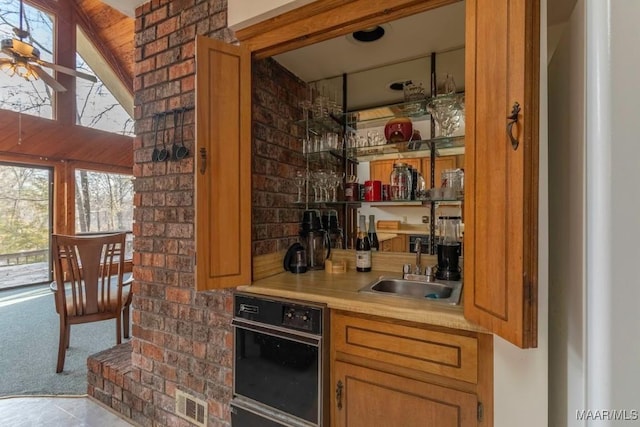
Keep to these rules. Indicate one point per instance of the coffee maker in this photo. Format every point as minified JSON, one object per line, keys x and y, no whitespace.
{"x":314,"y":239}
{"x":449,"y":248}
{"x":332,"y":227}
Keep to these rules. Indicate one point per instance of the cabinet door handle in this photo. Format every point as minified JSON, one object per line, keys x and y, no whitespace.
{"x":513,"y":119}
{"x":339,"y":388}
{"x":203,"y":160}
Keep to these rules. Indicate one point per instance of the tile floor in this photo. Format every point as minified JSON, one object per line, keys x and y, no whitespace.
{"x":63,"y":411}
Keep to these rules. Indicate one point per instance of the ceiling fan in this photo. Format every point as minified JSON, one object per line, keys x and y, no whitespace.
{"x":24,"y":59}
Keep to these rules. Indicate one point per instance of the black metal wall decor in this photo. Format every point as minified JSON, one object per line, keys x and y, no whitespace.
{"x":178,"y":150}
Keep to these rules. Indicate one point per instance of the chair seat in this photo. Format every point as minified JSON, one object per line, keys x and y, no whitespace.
{"x":113,"y":300}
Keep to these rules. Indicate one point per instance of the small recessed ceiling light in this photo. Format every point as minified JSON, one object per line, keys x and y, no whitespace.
{"x":399,"y":85}
{"x":370,"y":34}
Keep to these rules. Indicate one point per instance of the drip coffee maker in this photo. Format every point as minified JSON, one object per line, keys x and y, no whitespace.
{"x":332,"y":226}
{"x":449,"y":248}
{"x":314,"y":239}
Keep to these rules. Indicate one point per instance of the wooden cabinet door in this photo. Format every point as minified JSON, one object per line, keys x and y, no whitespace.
{"x":366,"y":397}
{"x":396,"y":244}
{"x":442,"y":163}
{"x":501,"y":179}
{"x":399,"y":244}
{"x":223,"y":165}
{"x":380,"y":170}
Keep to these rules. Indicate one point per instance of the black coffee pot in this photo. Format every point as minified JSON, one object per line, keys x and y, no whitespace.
{"x":295,"y":259}
{"x":314,"y":239}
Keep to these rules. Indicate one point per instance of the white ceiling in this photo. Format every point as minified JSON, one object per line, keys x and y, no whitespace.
{"x":403,"y":53}
{"x":413,"y":37}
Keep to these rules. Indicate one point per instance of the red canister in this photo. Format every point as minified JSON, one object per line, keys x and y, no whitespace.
{"x":351,"y":192}
{"x":373,"y":191}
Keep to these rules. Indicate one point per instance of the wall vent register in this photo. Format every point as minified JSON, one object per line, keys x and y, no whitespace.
{"x":191,"y":408}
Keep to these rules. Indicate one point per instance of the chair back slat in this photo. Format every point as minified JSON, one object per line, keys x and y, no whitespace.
{"x":89,"y":272}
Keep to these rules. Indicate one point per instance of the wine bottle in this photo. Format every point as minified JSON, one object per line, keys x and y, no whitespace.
{"x":373,"y":236}
{"x":363,"y":248}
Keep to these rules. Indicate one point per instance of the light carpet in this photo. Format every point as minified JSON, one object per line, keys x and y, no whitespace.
{"x":29,"y":328}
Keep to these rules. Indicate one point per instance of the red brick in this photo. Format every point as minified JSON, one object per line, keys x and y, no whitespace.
{"x":179,"y":230}
{"x":141,"y":362}
{"x":188,"y":50}
{"x":152,"y":351}
{"x":155,"y":77}
{"x":199,"y":350}
{"x":158,"y":260}
{"x":142,"y":67}
{"x":154,"y":17}
{"x":137,"y":83}
{"x":182,"y":296}
{"x":188,"y":84}
{"x":168,"y":57}
{"x":167,"y":27}
{"x":156,"y":46}
{"x":166,"y":372}
{"x":182,"y":69}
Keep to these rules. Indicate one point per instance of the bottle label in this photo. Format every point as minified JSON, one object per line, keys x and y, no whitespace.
{"x":363,"y":259}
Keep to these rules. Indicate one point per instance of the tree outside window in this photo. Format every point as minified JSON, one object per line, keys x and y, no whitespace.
{"x":104,"y":202}
{"x":96,"y":107}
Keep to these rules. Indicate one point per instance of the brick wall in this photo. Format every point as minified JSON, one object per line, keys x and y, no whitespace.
{"x":182,"y":339}
{"x":277,"y":154}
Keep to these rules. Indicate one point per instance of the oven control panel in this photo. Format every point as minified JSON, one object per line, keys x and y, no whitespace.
{"x":299,"y":318}
{"x":279,"y":312}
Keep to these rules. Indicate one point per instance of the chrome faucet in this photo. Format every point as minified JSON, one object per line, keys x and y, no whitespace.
{"x":417,"y":273}
{"x":418,"y":248}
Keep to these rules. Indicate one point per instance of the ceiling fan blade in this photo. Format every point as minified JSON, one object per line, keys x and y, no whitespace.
{"x":47,"y":78}
{"x":69,"y":71}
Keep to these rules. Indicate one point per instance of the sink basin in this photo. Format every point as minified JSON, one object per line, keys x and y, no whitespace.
{"x":443,"y":292}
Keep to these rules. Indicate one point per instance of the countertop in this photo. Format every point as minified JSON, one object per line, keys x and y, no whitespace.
{"x":340,"y":291}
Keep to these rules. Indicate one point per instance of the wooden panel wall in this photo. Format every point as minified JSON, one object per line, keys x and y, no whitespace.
{"x":43,"y":138}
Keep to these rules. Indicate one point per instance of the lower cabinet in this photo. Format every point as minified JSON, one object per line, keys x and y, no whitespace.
{"x":394,"y":373}
{"x":369,"y":397}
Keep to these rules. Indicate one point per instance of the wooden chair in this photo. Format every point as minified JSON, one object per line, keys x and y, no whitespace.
{"x":91,"y":270}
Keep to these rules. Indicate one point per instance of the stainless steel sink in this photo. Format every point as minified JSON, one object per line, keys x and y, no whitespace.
{"x":442,"y":292}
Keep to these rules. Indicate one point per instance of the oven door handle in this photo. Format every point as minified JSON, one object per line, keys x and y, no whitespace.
{"x":278,"y":332}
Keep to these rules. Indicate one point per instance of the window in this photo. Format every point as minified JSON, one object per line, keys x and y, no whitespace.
{"x":100,"y":105}
{"x":25,"y":224}
{"x":17,"y":94}
{"x":104,"y":202}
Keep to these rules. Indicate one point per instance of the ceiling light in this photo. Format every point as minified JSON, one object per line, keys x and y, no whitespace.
{"x":370,"y":34}
{"x":399,"y":85}
{"x":18,"y":68}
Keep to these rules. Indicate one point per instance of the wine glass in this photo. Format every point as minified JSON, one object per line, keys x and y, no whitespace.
{"x":322,"y":178}
{"x":299,"y":181}
{"x":335,"y":180}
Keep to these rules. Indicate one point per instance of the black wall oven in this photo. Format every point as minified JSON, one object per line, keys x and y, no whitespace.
{"x":278,"y":372}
